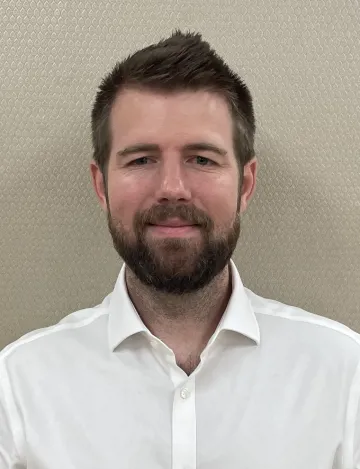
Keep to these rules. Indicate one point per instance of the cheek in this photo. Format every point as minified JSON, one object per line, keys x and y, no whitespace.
{"x":226,"y":214}
{"x":124,"y":202}
{"x":222,"y":204}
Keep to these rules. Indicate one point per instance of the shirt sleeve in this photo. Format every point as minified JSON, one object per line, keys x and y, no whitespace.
{"x":9,"y":458}
{"x":354,"y":416}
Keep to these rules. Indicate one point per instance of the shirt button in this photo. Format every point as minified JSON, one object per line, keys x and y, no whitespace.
{"x":184,"y":393}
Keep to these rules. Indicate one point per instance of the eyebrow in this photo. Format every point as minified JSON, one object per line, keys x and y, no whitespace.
{"x":147,"y":148}
{"x":139,"y":148}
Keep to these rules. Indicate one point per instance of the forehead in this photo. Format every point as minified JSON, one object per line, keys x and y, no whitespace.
{"x":153,"y":117}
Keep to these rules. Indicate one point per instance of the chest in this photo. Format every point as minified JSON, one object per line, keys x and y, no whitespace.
{"x":239,"y":420}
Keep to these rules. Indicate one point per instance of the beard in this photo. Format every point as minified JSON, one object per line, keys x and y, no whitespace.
{"x":174,"y":265}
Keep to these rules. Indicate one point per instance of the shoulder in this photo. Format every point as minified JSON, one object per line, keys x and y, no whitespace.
{"x":302,"y":325}
{"x":69,"y":331}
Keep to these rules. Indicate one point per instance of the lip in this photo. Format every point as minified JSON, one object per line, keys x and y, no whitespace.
{"x":173,"y":231}
{"x":173,"y":223}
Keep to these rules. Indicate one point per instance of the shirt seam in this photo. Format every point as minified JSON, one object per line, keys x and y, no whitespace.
{"x":48,"y":331}
{"x":12,"y":413}
{"x":333,"y":326}
{"x":350,"y":421}
{"x":354,"y":393}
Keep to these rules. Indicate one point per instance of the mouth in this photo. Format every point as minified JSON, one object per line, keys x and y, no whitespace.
{"x":173,"y":223}
{"x":173,"y":227}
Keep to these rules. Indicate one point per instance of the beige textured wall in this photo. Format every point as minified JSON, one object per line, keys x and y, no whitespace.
{"x":300,"y":240}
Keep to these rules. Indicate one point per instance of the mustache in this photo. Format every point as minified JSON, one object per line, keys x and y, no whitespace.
{"x":160,"y":213}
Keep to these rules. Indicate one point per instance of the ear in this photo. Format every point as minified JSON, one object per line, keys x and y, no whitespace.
{"x":248,"y":184}
{"x":97,"y":179}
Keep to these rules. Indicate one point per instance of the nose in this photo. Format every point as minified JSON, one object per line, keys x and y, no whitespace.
{"x":173,"y":185}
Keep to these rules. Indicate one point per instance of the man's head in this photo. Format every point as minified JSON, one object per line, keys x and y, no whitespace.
{"x":173,"y":133}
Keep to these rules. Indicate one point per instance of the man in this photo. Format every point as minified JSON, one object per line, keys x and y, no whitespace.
{"x":180,"y":366}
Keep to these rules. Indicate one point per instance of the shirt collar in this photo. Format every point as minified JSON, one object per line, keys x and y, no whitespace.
{"x":124,"y":320}
{"x":239,"y":315}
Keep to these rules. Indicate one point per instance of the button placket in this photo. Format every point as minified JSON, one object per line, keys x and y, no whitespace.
{"x":184,"y":426}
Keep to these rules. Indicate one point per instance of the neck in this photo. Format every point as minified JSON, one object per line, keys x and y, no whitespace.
{"x":185,"y":322}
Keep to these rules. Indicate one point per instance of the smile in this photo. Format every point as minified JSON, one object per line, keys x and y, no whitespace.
{"x":171,"y":230}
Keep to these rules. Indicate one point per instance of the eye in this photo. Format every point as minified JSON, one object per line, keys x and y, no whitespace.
{"x":139,"y":161}
{"x":203,"y":161}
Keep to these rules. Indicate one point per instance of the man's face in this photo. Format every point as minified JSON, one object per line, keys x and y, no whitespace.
{"x":173,"y":187}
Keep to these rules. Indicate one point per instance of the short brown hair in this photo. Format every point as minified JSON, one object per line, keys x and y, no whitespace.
{"x":181,"y":62}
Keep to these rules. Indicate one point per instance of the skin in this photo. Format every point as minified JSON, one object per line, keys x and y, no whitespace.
{"x":171,"y":174}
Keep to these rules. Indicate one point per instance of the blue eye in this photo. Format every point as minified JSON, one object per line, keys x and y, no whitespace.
{"x":203,"y":161}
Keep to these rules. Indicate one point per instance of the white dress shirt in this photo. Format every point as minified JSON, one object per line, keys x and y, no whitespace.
{"x":277,"y":388}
